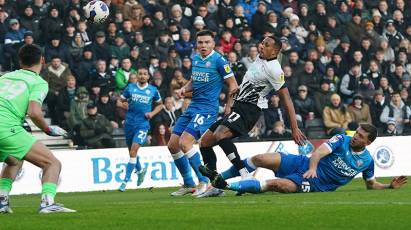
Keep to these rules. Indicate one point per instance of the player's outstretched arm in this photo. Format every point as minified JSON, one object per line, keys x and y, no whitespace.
{"x":396,"y":182}
{"x":232,"y":92}
{"x":298,"y":136}
{"x":319,"y":153}
{"x":36,"y":114}
{"x":157,"y":109}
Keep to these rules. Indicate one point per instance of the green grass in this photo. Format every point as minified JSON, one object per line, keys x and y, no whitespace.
{"x":352,"y":207}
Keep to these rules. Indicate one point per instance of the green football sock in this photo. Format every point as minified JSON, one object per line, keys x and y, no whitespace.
{"x":5,"y":186}
{"x":48,"y":193}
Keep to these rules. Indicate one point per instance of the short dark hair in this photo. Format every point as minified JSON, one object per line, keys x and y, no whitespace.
{"x":395,"y":92}
{"x":371,"y":130}
{"x":205,"y":33}
{"x":30,"y":55}
{"x":277,"y":41}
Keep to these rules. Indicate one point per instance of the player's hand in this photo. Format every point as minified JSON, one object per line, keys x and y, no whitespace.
{"x":298,"y":136}
{"x":180,"y":92}
{"x":311,"y":173}
{"x":149,"y":115}
{"x":55,"y":131}
{"x":397,"y":182}
{"x":227,"y":110}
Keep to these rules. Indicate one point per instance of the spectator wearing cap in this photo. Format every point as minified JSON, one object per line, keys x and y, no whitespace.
{"x":303,"y":104}
{"x":377,"y":106}
{"x":52,"y":25}
{"x":107,"y":107}
{"x":100,"y":48}
{"x":173,"y":59}
{"x":56,"y":48}
{"x":377,"y":21}
{"x":178,"y":16}
{"x":355,"y":29}
{"x":391,"y":34}
{"x":13,"y":40}
{"x":123,"y":74}
{"x":259,"y":18}
{"x":359,"y":110}
{"x":225,"y":10}
{"x":371,"y":34}
{"x":335,"y":116}
{"x":149,"y":30}
{"x":343,"y":15}
{"x":120,"y":49}
{"x":96,"y":129}
{"x":145,"y":49}
{"x":136,"y":17}
{"x":391,"y":129}
{"x":76,"y":48}
{"x":174,"y":30}
{"x":28,"y":38}
{"x":322,"y":96}
{"x":127,"y":7}
{"x":101,"y":77}
{"x":83,"y":68}
{"x":304,"y":15}
{"x":299,"y":31}
{"x":350,"y":83}
{"x":198,"y":25}
{"x":240,"y":21}
{"x":30,"y":22}
{"x":398,"y":111}
{"x":185,"y":45}
{"x":159,"y":21}
{"x":64,"y":100}
{"x":309,"y":77}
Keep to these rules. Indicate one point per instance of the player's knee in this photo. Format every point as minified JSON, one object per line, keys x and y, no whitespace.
{"x":258,"y":160}
{"x":185,"y":145}
{"x":173,"y":147}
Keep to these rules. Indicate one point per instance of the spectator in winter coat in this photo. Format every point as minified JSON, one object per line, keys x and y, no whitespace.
{"x":322,"y":97}
{"x":303,"y":104}
{"x":107,"y":107}
{"x":185,"y":45}
{"x":123,"y":74}
{"x":359,"y":111}
{"x":398,"y":111}
{"x":336,"y":117}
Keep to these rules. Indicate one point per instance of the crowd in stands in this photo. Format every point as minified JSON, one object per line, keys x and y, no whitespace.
{"x":345,"y":62}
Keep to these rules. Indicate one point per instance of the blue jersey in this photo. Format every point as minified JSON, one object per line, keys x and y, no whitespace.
{"x":342,"y":164}
{"x":140,"y":102}
{"x":207,"y":77}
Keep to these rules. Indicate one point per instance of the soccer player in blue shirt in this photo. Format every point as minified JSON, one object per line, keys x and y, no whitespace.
{"x":140,"y":98}
{"x":334,"y":164}
{"x":209,"y":72}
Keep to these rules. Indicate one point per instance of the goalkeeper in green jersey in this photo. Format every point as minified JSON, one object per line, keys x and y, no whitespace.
{"x":22,"y":92}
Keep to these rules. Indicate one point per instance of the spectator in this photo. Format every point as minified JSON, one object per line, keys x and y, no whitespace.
{"x":127,"y":7}
{"x":64,"y":100}
{"x":173,"y":58}
{"x":76,"y":48}
{"x":52,"y":25}
{"x":55,"y":73}
{"x":227,"y":42}
{"x":303,"y":104}
{"x":120,"y":49}
{"x":210,"y":19}
{"x":168,"y":115}
{"x":163,"y":44}
{"x":259,"y":18}
{"x":56,"y":48}
{"x":136,"y":18}
{"x":395,"y":79}
{"x":309,"y":77}
{"x":100,"y":48}
{"x":391,"y":34}
{"x":161,"y":135}
{"x":388,"y":52}
{"x":279,"y":132}
{"x":122,"y":74}
{"x":107,"y":107}
{"x":186,"y":67}
{"x":198,"y":25}
{"x":40,"y":8}
{"x":161,"y":86}
{"x":145,"y":49}
{"x":252,"y":56}
{"x":78,"y":112}
{"x":373,"y":73}
{"x":225,"y":10}
{"x":101,"y":77}
{"x":322,"y":97}
{"x":350,"y":83}
{"x":391,"y":129}
{"x":246,"y":39}
{"x":238,"y":67}
{"x":274,"y":112}
{"x":377,"y":106}
{"x":149,"y":30}
{"x":271,"y":23}
{"x":295,"y":27}
{"x":179,"y":18}
{"x":398,"y":111}
{"x":82,"y":69}
{"x":336,"y":117}
{"x":13,"y":40}
{"x":128,"y":32}
{"x":96,"y":129}
{"x":250,"y":7}
{"x":385,"y":87}
{"x":159,"y":20}
{"x":185,"y":45}
{"x":30,"y":22}
{"x":359,"y":111}
{"x":111,"y":32}
{"x":366,"y":89}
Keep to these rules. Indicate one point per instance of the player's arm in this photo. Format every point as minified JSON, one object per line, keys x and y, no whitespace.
{"x":298,"y":136}
{"x":188,"y":87}
{"x":396,"y":182}
{"x":316,"y":156}
{"x":232,"y":92}
{"x":158,"y":107}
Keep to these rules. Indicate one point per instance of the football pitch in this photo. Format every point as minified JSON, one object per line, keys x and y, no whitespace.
{"x":351,"y":207}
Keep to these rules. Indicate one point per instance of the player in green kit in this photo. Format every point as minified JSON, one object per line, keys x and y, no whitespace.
{"x":22,"y":92}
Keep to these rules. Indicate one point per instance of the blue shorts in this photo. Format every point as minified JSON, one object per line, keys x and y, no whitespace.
{"x":194,"y":123}
{"x":293,"y":167}
{"x":135,"y":134}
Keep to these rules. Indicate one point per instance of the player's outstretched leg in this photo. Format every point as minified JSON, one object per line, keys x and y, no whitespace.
{"x":8,"y":175}
{"x":183,"y":166}
{"x":42,"y":157}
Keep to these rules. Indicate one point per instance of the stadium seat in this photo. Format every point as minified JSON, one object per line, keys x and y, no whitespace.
{"x":315,"y":129}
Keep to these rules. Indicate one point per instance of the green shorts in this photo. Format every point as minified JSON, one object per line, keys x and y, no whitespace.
{"x":16,"y":145}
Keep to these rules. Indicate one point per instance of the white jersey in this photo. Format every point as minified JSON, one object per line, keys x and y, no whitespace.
{"x":259,"y":80}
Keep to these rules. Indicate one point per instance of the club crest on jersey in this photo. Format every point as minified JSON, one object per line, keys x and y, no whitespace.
{"x":359,"y":163}
{"x":147,"y":91}
{"x":208,"y":64}
{"x":335,"y":139}
{"x":227,"y":68}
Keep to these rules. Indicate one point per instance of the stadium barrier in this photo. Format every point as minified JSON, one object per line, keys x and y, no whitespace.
{"x":103,"y":169}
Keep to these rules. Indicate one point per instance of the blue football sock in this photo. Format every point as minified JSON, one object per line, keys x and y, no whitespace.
{"x":138,"y":165}
{"x":248,"y":185}
{"x":195,"y":162}
{"x":129,"y":169}
{"x":233,"y":172}
{"x":184,"y":168}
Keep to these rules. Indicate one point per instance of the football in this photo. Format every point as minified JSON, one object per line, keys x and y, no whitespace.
{"x":96,"y":11}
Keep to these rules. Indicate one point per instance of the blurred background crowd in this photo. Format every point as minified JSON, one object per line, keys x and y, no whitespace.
{"x":345,"y":62}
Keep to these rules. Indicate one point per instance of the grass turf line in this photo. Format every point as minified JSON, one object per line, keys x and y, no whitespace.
{"x":351,"y":207}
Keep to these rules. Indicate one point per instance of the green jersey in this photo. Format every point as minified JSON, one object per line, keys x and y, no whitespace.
{"x":17,"y":89}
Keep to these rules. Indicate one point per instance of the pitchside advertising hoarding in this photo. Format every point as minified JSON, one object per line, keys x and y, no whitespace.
{"x":103,"y":169}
